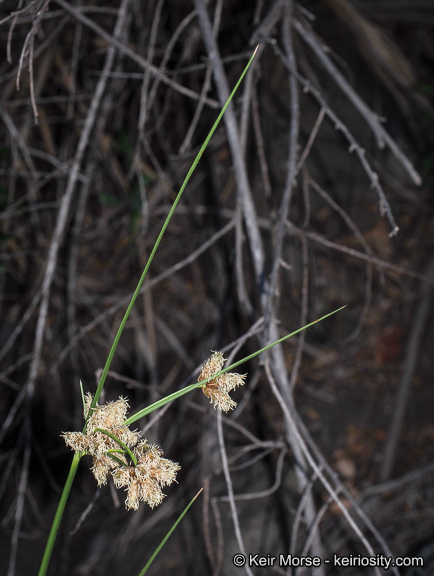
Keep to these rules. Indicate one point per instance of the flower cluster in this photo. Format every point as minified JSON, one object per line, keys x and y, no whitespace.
{"x":119,"y":452}
{"x":217,"y":389}
{"x":144,"y":481}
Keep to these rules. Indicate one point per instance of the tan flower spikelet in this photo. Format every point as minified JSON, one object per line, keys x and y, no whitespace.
{"x":109,"y":417}
{"x":77,"y":441}
{"x":101,"y":468}
{"x":217,"y":390}
{"x":144,"y":481}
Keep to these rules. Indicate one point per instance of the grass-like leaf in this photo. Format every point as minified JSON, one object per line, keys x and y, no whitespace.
{"x":165,"y":539}
{"x":161,"y":234}
{"x":187,"y":389}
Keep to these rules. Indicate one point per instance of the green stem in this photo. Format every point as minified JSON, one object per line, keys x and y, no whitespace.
{"x":115,"y":458}
{"x":157,"y":243}
{"x":162,"y":402}
{"x":166,"y":538}
{"x":187,"y":389}
{"x":58,"y":517}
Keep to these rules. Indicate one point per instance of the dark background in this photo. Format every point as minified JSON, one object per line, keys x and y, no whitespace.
{"x":83,"y":195}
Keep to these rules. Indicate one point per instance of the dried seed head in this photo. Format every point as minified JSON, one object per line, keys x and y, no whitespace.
{"x":101,"y":468}
{"x":144,"y":481}
{"x":212,"y":366}
{"x":133,"y":499}
{"x":77,"y":441}
{"x":219,"y":399}
{"x":109,"y":417}
{"x":217,"y":389}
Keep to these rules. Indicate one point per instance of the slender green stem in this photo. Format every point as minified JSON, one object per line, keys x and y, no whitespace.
{"x":162,"y":402}
{"x":157,"y":243}
{"x":59,"y":513}
{"x":115,"y":458}
{"x":118,"y":441}
{"x":187,"y":389}
{"x":166,"y":538}
{"x":235,"y":364}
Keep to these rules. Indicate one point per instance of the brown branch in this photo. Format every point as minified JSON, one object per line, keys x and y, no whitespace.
{"x":370,"y":117}
{"x":142,"y":62}
{"x":403,"y":390}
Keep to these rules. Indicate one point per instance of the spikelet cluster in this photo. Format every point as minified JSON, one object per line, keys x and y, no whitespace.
{"x":144,"y":480}
{"x":217,"y":389}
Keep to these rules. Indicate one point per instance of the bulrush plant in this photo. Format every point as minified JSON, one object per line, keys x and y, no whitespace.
{"x":119,"y":453}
